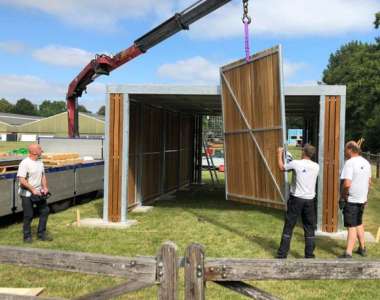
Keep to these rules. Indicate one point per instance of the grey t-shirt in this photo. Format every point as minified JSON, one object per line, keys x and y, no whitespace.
{"x":32,"y":171}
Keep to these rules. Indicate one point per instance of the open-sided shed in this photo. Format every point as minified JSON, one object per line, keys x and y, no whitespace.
{"x":153,"y":139}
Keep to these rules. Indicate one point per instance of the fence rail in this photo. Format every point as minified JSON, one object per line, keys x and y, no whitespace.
{"x":162,"y":271}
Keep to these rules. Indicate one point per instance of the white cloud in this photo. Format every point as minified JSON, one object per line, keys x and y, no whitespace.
{"x":290,"y":18}
{"x":63,"y":56}
{"x":193,"y":70}
{"x":96,"y":14}
{"x":13,"y":47}
{"x":14,"y":87}
{"x":291,"y":68}
{"x":200,"y":70}
{"x":36,"y":89}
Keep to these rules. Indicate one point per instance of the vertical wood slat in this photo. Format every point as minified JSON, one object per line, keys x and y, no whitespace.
{"x":115,"y":157}
{"x":194,"y":273}
{"x":167,"y":272}
{"x":331,"y":163}
{"x":336,"y":178}
{"x":256,"y":88}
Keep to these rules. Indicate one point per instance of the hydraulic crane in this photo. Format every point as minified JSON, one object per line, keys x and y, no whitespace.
{"x":104,"y":64}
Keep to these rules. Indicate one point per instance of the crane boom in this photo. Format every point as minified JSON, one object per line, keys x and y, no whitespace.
{"x":104,"y":64}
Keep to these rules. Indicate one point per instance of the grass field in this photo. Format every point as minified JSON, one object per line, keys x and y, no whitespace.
{"x":225,"y":228}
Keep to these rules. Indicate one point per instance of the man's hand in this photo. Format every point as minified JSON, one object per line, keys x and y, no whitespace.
{"x":36,"y":192}
{"x":44,"y":191}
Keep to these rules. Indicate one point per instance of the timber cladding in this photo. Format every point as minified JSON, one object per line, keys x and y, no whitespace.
{"x":116,"y":106}
{"x":252,"y":111}
{"x":161,"y":151}
{"x":331,"y":164}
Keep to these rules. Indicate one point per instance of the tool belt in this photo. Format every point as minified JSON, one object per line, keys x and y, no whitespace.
{"x":36,"y":198}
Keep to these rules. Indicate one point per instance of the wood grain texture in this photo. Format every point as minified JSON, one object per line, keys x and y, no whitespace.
{"x":299,"y":269}
{"x":331,"y":164}
{"x":247,"y":290}
{"x":256,"y":86}
{"x":140,"y":268}
{"x":115,"y":291}
{"x":115,"y":156}
{"x":167,"y":272}
{"x":194,"y":273}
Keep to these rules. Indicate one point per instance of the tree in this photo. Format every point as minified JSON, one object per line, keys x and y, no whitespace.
{"x":25,"y":107}
{"x":357,"y":65}
{"x":102,"y":111}
{"x":5,"y":106}
{"x":83,"y":109}
{"x":49,"y":108}
{"x":377,"y":20}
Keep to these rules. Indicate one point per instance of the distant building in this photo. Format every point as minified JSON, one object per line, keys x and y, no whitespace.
{"x":27,"y":128}
{"x":295,"y":137}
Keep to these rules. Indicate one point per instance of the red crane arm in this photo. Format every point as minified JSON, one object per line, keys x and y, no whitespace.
{"x":104,"y":64}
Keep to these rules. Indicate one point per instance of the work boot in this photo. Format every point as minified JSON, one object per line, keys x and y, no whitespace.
{"x":361,"y":251}
{"x":284,"y":246}
{"x":345,"y":255}
{"x":309,"y":247}
{"x":28,"y":240}
{"x":45,"y":238}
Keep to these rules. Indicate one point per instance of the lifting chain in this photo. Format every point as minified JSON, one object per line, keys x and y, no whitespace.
{"x":246,"y":18}
{"x":246,"y":21}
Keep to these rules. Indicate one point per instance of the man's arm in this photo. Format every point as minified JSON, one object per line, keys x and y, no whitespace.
{"x":346,"y":187}
{"x":44,"y":184}
{"x":280,"y":159}
{"x":25,"y":184}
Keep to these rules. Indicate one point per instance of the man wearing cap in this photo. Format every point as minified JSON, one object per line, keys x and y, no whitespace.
{"x":32,"y":187}
{"x":356,"y":177}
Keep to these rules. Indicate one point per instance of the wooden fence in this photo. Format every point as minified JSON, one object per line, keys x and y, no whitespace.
{"x":162,"y":271}
{"x":374,"y":159}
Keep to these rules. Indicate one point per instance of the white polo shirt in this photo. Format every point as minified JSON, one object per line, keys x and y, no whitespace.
{"x":358,"y":170}
{"x":32,"y":171}
{"x":305,"y":174}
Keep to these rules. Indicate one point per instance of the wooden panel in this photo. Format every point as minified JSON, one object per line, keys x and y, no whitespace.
{"x":251,"y":94}
{"x":186,"y":149}
{"x":171,"y":170}
{"x":134,"y":133}
{"x":115,"y":156}
{"x":331,"y":164}
{"x":151,"y":148}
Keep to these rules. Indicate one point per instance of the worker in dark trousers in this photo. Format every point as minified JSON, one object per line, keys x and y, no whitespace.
{"x":301,"y":200}
{"x":33,"y":191}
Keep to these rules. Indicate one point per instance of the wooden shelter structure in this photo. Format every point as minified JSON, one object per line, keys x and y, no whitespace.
{"x":154,"y":137}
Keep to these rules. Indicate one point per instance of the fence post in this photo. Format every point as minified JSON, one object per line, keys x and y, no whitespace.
{"x":378,"y":166}
{"x":194,"y":273}
{"x":167,"y":271}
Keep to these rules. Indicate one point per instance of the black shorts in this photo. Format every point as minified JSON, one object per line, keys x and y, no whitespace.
{"x":353,"y":214}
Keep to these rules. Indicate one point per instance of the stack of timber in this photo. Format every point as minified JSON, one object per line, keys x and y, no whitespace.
{"x":61,"y":159}
{"x":9,"y":162}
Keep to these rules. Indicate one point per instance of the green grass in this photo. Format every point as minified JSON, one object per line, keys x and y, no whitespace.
{"x":225,"y":228}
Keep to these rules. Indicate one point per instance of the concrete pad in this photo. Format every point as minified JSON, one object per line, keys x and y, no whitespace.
{"x":342,"y":235}
{"x":22,"y":291}
{"x":142,"y":209}
{"x":99,"y":223}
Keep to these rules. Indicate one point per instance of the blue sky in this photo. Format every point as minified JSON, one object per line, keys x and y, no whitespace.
{"x":45,"y":43}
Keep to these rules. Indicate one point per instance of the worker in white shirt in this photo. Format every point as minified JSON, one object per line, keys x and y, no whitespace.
{"x":356,"y":177}
{"x":33,"y":191}
{"x":301,"y":200}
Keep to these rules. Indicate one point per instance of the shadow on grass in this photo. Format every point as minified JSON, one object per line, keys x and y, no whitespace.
{"x":266,"y":244}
